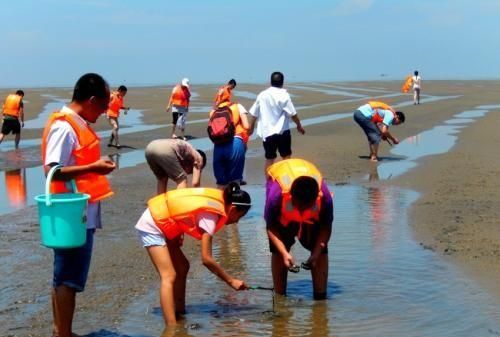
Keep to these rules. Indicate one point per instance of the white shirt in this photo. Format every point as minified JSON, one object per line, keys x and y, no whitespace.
{"x":273,"y":109}
{"x":416,"y":82}
{"x":61,"y":141}
{"x":206,"y":221}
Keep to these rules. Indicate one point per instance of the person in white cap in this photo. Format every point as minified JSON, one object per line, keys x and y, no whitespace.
{"x":179,"y":104}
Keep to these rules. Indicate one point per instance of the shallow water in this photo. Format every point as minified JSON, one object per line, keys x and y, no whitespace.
{"x":381,"y":282}
{"x":135,"y":157}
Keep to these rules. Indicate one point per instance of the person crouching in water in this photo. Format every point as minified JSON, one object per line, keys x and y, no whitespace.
{"x":114,"y":107}
{"x":375,"y":118}
{"x":199,"y":213}
{"x":298,"y":204}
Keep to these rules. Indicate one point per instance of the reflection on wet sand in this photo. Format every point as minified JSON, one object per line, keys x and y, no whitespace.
{"x":15,"y":184}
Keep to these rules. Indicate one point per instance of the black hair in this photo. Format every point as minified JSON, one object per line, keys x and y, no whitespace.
{"x":234,"y":195}
{"x":232,"y":82}
{"x":415,"y":72}
{"x":20,"y":93}
{"x":304,"y":190}
{"x":277,"y":79}
{"x":401,"y":116}
{"x":90,"y":85}
{"x":203,"y":156}
{"x":122,"y":88}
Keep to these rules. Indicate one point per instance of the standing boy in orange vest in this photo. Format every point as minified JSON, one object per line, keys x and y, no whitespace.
{"x":13,"y":116}
{"x":115,"y":105}
{"x":68,"y":140}
{"x":298,"y":204}
{"x":224,"y":94}
{"x":179,"y":103}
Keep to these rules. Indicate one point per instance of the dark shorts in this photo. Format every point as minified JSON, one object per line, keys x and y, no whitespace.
{"x":71,"y":266}
{"x":370,"y":129}
{"x":308,"y":238}
{"x":277,"y":142}
{"x":11,"y":125}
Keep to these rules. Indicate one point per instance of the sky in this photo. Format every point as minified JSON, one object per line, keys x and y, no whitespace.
{"x":53,"y":42}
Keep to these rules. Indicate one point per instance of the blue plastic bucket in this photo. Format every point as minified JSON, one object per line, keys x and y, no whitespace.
{"x":62,"y":216}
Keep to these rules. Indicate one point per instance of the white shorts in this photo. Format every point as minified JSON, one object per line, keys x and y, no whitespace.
{"x":149,"y":239}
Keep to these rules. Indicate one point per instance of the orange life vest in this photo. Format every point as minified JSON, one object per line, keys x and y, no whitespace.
{"x":180,"y":96}
{"x":175,"y":211}
{"x":12,"y":105}
{"x":223,"y":95}
{"x":284,"y":173}
{"x":88,"y":151}
{"x":407,"y":84}
{"x":377,"y":118}
{"x":115,"y":104}
{"x":16,"y":187}
{"x":235,"y":115}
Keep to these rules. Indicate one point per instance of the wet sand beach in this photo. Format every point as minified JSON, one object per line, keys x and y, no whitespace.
{"x":448,"y":201}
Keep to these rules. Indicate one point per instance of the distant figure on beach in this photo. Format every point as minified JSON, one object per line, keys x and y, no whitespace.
{"x":272,"y":112}
{"x":224,"y":94}
{"x":13,"y":116}
{"x":115,"y":105}
{"x":199,"y":213}
{"x":417,"y":86}
{"x":375,"y":118}
{"x":298,"y":204}
{"x":179,"y":104}
{"x":174,"y":159}
{"x":229,"y":152}
{"x":68,"y":140}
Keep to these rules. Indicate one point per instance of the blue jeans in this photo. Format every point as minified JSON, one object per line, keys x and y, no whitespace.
{"x":71,"y":266}
{"x":229,"y":161}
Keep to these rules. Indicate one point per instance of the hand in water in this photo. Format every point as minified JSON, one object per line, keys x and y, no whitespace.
{"x":238,"y":284}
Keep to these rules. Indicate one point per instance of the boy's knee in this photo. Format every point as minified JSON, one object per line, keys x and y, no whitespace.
{"x":168,"y":278}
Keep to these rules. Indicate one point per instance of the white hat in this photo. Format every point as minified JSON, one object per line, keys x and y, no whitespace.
{"x":185,"y":82}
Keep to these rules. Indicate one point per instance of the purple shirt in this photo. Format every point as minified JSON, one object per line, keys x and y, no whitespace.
{"x":273,"y":204}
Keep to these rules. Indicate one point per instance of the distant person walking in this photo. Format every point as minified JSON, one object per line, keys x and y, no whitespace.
{"x":68,"y":140}
{"x":224,"y":94}
{"x":229,"y":154}
{"x":114,"y":107}
{"x":375,"y":118}
{"x":417,"y":86}
{"x":174,"y":159}
{"x":13,"y":116}
{"x":179,"y":104}
{"x":272,"y":112}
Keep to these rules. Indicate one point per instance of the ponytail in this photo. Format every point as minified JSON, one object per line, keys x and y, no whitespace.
{"x":235,"y":196}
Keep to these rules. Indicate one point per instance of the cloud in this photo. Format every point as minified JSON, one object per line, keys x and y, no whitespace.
{"x":349,"y":7}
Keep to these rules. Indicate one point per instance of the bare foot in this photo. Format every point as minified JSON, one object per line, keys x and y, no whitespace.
{"x":374,"y":159}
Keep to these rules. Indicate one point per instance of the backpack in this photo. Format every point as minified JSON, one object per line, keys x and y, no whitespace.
{"x":221,"y":128}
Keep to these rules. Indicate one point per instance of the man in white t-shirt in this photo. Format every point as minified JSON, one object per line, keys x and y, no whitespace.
{"x":272,"y":111}
{"x":60,"y":143}
{"x":417,"y":86}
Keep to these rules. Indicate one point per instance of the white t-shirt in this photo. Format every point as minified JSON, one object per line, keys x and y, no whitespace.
{"x":206,"y":221}
{"x":273,"y":109}
{"x":416,"y":82}
{"x":61,"y":141}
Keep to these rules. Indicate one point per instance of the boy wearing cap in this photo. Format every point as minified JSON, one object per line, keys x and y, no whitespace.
{"x":179,"y":104}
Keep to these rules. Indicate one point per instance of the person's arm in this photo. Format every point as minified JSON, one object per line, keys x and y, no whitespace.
{"x":196,"y":177}
{"x":296,"y":119}
{"x":215,"y":268}
{"x":101,"y":167}
{"x":244,"y":117}
{"x":275,"y":238}
{"x":387,"y":135}
{"x":169,"y":105}
{"x":21,"y":115}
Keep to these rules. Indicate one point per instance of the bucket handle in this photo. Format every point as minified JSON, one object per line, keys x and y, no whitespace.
{"x":51,"y":173}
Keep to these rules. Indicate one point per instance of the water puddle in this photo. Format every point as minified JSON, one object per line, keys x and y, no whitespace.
{"x":136,"y":157}
{"x":332,"y":92}
{"x":245,"y":94}
{"x":381,"y":283}
{"x":437,"y":140}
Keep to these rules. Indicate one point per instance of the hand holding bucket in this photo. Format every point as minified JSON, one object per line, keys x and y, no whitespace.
{"x":62,"y":216}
